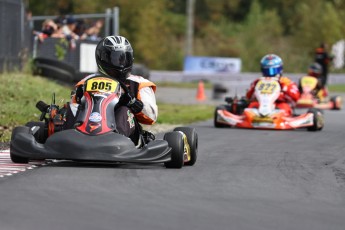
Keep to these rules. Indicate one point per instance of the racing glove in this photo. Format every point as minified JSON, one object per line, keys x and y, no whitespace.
{"x":79,"y":94}
{"x":131,"y":102}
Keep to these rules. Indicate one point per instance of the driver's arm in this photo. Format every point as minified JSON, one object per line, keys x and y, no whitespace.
{"x":250,"y":91}
{"x":290,"y":88}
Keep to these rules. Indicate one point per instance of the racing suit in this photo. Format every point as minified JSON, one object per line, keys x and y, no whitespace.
{"x":323,"y":58}
{"x":287,"y":98}
{"x":127,"y":121}
{"x":320,"y":91}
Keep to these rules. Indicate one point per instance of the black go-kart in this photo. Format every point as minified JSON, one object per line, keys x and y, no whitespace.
{"x":93,"y":136}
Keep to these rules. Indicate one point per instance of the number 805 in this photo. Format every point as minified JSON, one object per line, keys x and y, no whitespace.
{"x":101,"y":86}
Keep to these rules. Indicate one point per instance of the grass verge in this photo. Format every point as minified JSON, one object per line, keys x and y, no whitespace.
{"x":337,"y":88}
{"x":183,"y":114}
{"x":184,"y":85}
{"x":20,"y":93}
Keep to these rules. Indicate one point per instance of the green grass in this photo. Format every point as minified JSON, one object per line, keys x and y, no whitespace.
{"x":185,"y":85}
{"x":20,"y":93}
{"x":183,"y":114}
{"x":337,"y":88}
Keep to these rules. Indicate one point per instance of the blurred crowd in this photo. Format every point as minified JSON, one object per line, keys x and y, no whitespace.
{"x":70,"y":29}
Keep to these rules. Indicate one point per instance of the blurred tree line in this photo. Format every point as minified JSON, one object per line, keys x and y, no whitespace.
{"x":247,"y":29}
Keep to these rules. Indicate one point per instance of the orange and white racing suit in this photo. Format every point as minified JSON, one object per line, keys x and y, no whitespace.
{"x":287,"y":98}
{"x":143,"y":89}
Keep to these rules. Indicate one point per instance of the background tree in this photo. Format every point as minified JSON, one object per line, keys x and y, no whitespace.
{"x":260,"y":34}
{"x":246,"y":29}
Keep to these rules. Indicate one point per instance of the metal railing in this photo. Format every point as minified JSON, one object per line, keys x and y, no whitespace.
{"x":14,"y":34}
{"x":111,"y":19}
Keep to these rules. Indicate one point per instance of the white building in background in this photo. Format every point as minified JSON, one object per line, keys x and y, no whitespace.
{"x":338,"y":51}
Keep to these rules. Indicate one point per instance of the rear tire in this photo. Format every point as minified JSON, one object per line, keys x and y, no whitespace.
{"x":16,"y":158}
{"x":175,"y":142}
{"x":337,"y":102}
{"x":192,"y":137}
{"x":54,"y":69}
{"x":318,"y":120}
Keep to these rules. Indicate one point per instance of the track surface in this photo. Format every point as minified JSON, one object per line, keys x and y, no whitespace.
{"x":243,"y":179}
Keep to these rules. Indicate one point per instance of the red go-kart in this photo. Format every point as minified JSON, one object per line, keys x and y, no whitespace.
{"x":237,"y":114}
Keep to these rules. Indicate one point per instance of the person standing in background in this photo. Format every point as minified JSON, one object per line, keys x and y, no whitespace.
{"x":324,"y":59}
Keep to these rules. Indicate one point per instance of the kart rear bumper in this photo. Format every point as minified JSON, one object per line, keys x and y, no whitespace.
{"x":284,"y":123}
{"x":73,"y":145}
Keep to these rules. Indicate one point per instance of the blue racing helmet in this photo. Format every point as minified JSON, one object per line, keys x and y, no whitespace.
{"x":271,"y":65}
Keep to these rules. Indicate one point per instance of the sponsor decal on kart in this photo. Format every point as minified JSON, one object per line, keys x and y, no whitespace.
{"x":262,"y":120}
{"x":303,"y":122}
{"x":95,"y":117}
{"x":130,"y":119}
{"x":264,"y":125}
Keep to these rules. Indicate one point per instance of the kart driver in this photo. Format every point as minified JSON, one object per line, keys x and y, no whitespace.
{"x":114,"y":58}
{"x":272,"y":66}
{"x":315,"y":70}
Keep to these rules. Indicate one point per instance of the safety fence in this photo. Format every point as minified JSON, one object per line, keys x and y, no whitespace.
{"x":70,"y":61}
{"x":18,"y":44}
{"x":15,"y":35}
{"x":64,"y":60}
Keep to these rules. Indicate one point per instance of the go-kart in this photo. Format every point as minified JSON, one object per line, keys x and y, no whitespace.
{"x":236,"y":112}
{"x":313,"y":98}
{"x":94,"y":136}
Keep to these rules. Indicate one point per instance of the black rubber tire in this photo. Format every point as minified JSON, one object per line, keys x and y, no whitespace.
{"x":55,"y":69}
{"x":175,"y":141}
{"x":219,"y":91}
{"x":141,"y":70}
{"x":42,"y":134}
{"x":15,"y":158}
{"x":336,"y":100}
{"x":215,"y":122}
{"x":318,"y":120}
{"x":192,"y":137}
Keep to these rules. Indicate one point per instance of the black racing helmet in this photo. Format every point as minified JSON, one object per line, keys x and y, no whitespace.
{"x":315,"y":69}
{"x":114,"y":57}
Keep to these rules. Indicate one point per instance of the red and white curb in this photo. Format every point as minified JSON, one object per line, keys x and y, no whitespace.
{"x":8,"y":168}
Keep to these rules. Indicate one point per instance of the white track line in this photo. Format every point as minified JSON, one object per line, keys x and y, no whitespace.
{"x":8,"y":168}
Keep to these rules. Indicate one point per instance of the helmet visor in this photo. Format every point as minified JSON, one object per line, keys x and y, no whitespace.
{"x":314,"y":69}
{"x":271,"y":72}
{"x":120,"y":59}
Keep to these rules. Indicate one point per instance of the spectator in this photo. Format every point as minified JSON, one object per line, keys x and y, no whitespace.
{"x":58,"y":33}
{"x":80,"y":27}
{"x":69,"y":27}
{"x":323,"y":58}
{"x":92,"y":32}
{"x":48,"y":28}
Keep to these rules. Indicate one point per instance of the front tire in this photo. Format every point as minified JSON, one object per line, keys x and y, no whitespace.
{"x":175,"y":142}
{"x":318,"y":120}
{"x":16,"y":158}
{"x":192,"y":138}
{"x":215,"y":119}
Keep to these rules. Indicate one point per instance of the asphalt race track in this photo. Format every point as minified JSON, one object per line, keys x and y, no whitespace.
{"x":243,"y":179}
